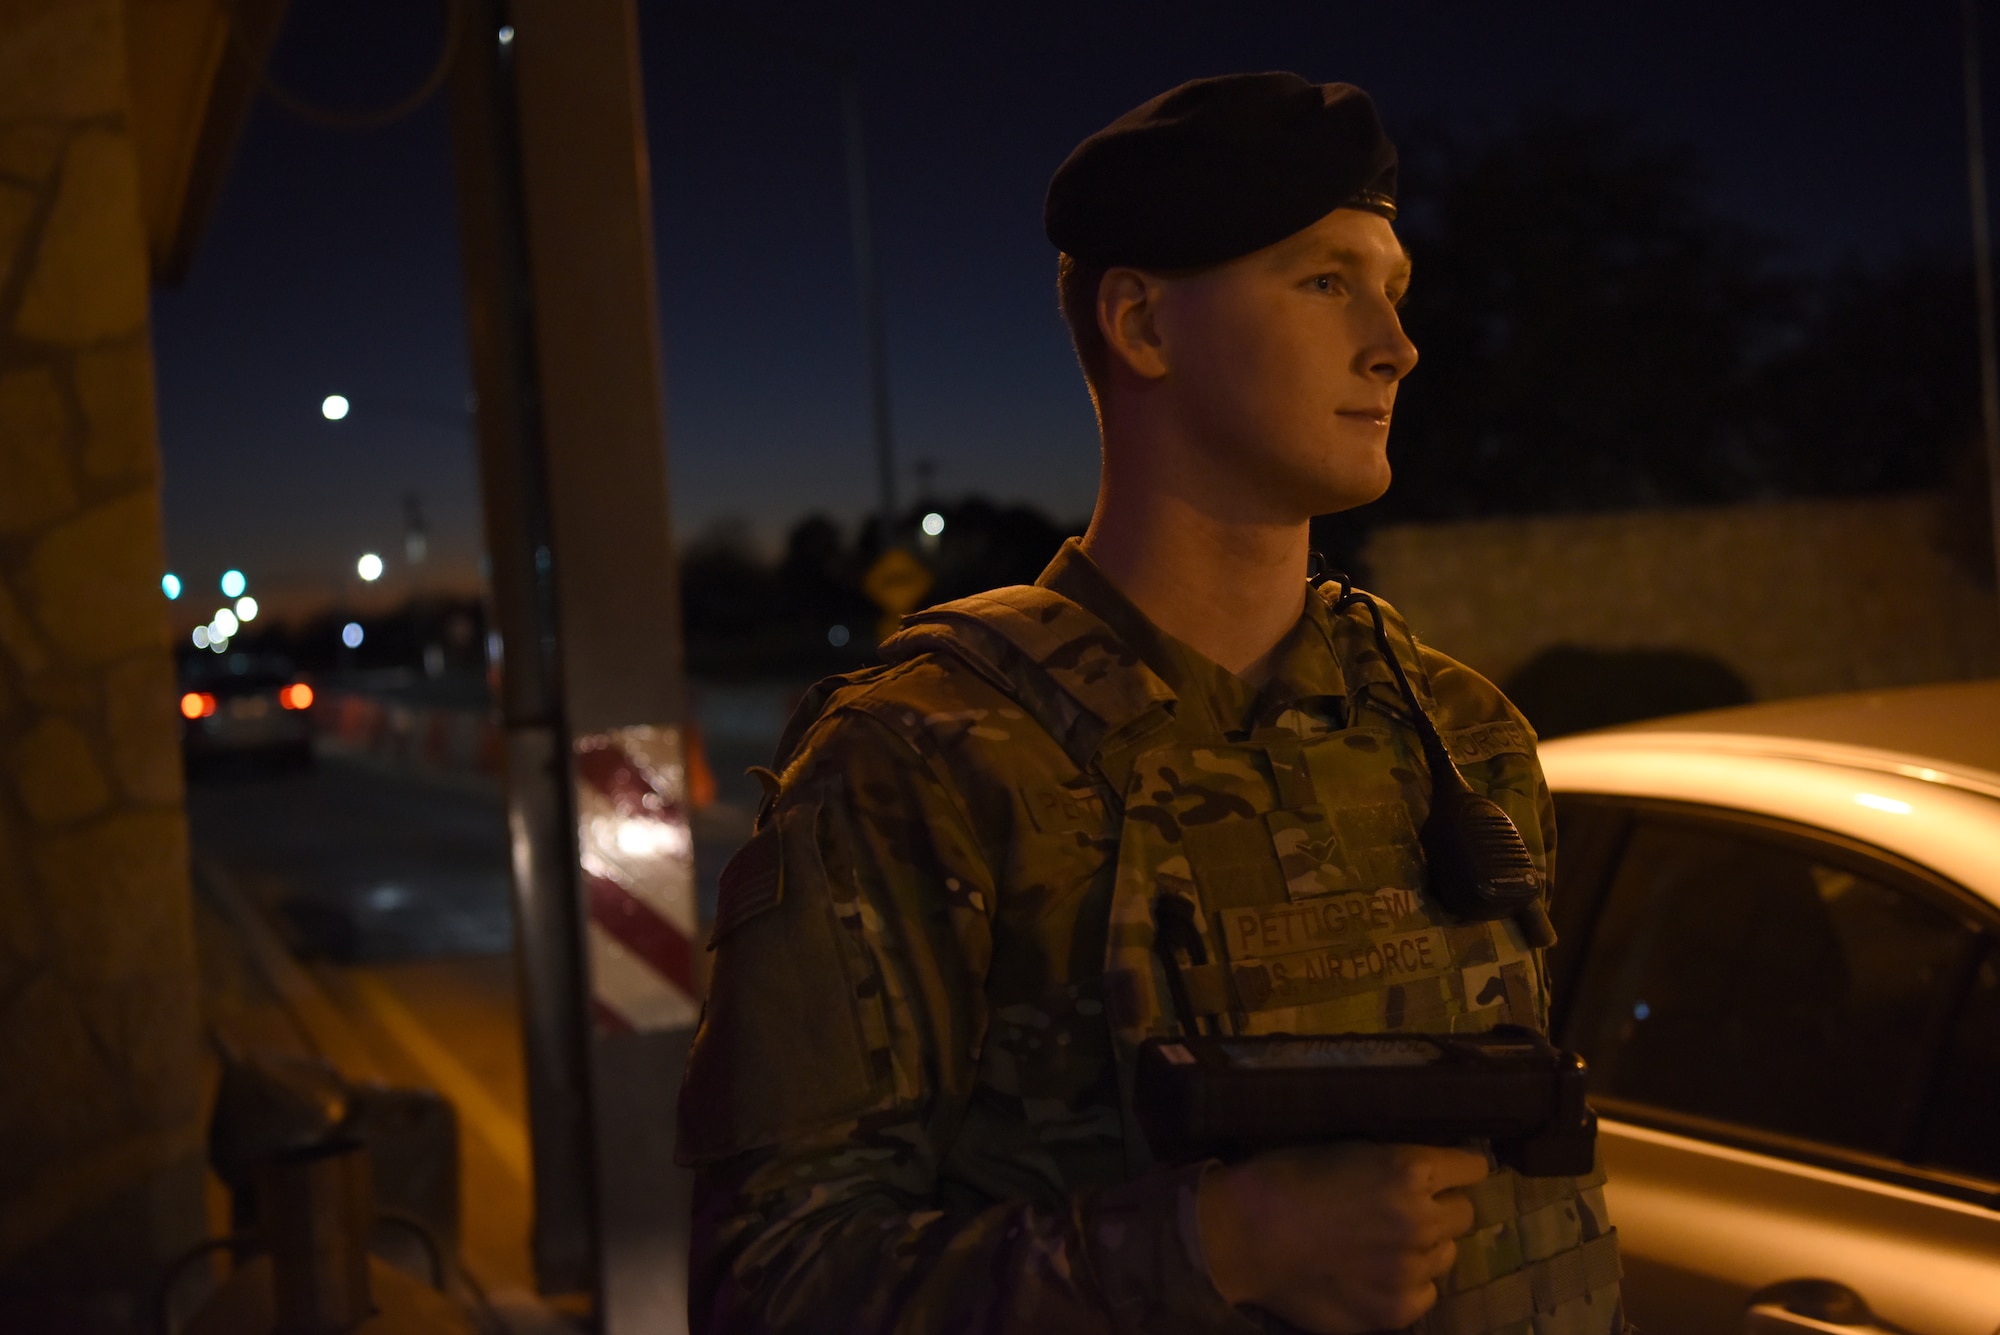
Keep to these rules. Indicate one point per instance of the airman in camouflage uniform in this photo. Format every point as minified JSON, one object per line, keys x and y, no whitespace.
{"x":909,"y":1101}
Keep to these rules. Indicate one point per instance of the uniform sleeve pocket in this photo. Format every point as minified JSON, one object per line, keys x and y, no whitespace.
{"x":752,"y":883}
{"x":783,"y":1044}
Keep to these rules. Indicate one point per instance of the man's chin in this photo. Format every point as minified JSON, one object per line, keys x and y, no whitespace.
{"x":1349,"y":493}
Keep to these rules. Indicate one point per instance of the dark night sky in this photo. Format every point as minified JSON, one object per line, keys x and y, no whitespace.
{"x":331,"y":265}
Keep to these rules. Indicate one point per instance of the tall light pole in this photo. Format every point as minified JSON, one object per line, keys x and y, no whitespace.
{"x":846,"y":71}
{"x":870,"y":285}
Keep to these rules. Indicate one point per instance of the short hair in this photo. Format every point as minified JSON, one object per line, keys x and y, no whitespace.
{"x":1077,"y":283}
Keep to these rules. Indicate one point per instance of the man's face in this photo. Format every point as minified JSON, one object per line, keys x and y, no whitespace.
{"x":1288,"y":360}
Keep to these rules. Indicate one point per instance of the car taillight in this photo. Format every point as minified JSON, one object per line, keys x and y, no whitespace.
{"x":197,"y":704}
{"x":296,"y":696}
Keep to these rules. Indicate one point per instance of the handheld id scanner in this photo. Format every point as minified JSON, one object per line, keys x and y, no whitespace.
{"x":1202,"y":1096}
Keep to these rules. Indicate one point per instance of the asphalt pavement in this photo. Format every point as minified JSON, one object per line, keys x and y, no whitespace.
{"x":363,"y":865}
{"x":387,"y":893}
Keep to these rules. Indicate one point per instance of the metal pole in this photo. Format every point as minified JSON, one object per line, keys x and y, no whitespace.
{"x":548,"y":950}
{"x":871,"y":297}
{"x":1982,"y":267}
{"x":605,"y":873}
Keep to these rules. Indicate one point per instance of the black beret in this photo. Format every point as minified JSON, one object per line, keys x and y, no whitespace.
{"x":1217,"y":168}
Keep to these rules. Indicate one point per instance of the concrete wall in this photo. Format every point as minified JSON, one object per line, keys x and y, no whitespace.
{"x":100,"y":1058}
{"x":1798,"y":597}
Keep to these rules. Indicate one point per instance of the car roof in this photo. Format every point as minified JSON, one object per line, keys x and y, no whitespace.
{"x":205,"y":668}
{"x":1957,"y":723}
{"x":1915,"y":771}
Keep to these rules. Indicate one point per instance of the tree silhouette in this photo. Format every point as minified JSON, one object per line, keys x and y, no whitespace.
{"x":1593,"y":336}
{"x":1589,"y":332}
{"x":1881,"y":389}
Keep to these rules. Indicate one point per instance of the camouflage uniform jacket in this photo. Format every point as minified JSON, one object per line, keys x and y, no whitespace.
{"x":904,"y":1103}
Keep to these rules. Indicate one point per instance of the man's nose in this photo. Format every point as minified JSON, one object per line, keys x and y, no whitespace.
{"x":1391,"y":355}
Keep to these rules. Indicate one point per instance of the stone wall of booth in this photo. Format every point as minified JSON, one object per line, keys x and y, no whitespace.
{"x":100,"y":1060}
{"x":1797,"y":597}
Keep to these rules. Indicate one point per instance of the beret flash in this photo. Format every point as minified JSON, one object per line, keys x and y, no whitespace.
{"x":1217,"y":168}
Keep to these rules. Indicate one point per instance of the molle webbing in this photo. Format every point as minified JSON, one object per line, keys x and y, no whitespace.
{"x":1533,"y":1298}
{"x":1502,"y":1196}
{"x":1060,"y":663}
{"x":1073,"y":675}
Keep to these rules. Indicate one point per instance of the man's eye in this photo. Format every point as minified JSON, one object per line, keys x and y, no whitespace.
{"x":1328,"y":283}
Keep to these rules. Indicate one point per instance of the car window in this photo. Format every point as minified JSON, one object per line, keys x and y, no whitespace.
{"x":1745,"y":978}
{"x":1590,"y":832}
{"x":1964,"y":1131}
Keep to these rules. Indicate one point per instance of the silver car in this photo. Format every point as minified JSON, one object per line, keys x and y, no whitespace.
{"x":1781,"y":956}
{"x":245,"y":707}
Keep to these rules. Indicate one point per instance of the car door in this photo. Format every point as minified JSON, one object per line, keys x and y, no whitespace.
{"x":1794,"y":1043}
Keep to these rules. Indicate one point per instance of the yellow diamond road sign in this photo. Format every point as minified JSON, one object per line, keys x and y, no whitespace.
{"x":897,"y":582}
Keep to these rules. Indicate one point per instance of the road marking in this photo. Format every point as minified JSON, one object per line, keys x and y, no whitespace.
{"x":321,"y":1027}
{"x":501,"y":1130}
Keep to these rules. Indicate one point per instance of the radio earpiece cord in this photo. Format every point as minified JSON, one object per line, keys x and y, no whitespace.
{"x":1479,"y":867}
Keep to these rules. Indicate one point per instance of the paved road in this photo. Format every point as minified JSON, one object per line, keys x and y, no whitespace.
{"x":394,"y":890}
{"x":363,"y":866}
{"x":367,"y":865}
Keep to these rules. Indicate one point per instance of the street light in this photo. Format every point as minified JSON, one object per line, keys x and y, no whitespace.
{"x":233,"y":584}
{"x":369,"y":567}
{"x":427,"y":412}
{"x":170,"y":584}
{"x":246,"y":609}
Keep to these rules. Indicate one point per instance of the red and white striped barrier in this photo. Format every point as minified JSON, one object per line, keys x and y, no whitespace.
{"x":634,"y":789}
{"x":457,"y":740}
{"x":636,"y":860}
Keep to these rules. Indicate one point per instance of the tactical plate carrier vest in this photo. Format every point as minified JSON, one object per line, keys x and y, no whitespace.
{"x":1300,"y":857}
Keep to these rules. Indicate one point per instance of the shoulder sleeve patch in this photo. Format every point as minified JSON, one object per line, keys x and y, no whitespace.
{"x":1483,"y":741}
{"x":751,"y":883}
{"x":783,"y":1046}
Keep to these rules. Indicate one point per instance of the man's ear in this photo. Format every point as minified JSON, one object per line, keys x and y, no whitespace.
{"x":1128,"y":303}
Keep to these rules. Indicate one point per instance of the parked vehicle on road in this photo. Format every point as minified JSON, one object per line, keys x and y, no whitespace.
{"x":1780,"y":954}
{"x":249,"y":707}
